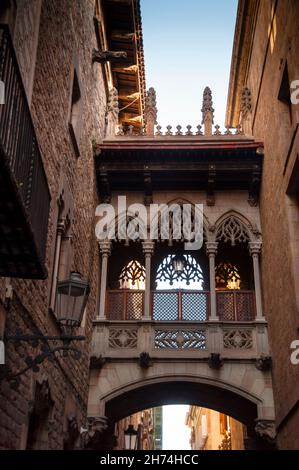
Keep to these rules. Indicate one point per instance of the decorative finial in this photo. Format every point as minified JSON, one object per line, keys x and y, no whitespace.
{"x":168,"y":132}
{"x":207,"y":111}
{"x":217,"y":130}
{"x":179,"y":130}
{"x":158,"y":130}
{"x":150,"y":112}
{"x":189,"y":132}
{"x":199,"y":131}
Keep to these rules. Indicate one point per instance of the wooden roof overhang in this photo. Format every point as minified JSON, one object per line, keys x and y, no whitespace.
{"x":124,"y":33}
{"x":164,"y":165}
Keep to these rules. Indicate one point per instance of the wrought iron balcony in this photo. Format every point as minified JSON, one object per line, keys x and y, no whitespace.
{"x":24,"y":192}
{"x":181,"y":305}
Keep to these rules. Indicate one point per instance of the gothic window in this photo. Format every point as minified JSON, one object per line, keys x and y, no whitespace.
{"x":132,"y":276}
{"x":227,"y":276}
{"x":232,"y":230}
{"x":169,"y":277}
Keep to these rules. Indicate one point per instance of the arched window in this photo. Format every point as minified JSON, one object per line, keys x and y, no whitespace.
{"x":227,"y":276}
{"x":179,"y":272}
{"x":132,"y":276}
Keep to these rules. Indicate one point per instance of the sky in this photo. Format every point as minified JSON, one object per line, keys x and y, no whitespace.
{"x":176,"y":435}
{"x":187,"y":46}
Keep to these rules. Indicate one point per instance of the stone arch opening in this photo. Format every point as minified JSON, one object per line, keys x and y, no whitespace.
{"x":179,"y":390}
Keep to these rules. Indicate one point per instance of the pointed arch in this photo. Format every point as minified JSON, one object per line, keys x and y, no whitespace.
{"x":235,"y":228}
{"x":180,"y":201}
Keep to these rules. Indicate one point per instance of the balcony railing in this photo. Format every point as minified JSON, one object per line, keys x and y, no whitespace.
{"x":181,"y":305}
{"x":25,"y":196}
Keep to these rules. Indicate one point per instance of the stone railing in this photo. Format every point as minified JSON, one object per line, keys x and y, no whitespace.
{"x":178,"y":131}
{"x":213,"y":341}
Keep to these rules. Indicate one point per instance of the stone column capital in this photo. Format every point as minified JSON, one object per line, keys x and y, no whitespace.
{"x":105,"y":247}
{"x":148,"y":247}
{"x":255,"y":247}
{"x":211,"y":248}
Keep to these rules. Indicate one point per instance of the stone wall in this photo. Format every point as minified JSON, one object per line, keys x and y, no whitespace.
{"x":66,"y":39}
{"x":276,"y":40}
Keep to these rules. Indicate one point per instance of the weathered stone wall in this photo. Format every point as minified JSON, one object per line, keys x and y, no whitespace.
{"x":276,"y":39}
{"x":66,"y":38}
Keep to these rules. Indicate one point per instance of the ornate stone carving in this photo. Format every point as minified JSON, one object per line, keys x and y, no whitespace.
{"x":266,"y":429}
{"x":246,"y":105}
{"x":217,"y":130}
{"x":189,"y":131}
{"x":263,"y":363}
{"x":104,"y":56}
{"x":180,"y":339}
{"x":207,"y":111}
{"x":112,"y":112}
{"x":179,"y":130}
{"x":145,"y":360}
{"x":232,"y":230}
{"x":123,"y":338}
{"x":159,"y":130}
{"x":150,"y":112}
{"x":97,"y":362}
{"x":168,"y":132}
{"x":94,"y":427}
{"x":237,"y":339}
{"x":215,"y":361}
{"x":246,"y":110}
{"x":255,"y":248}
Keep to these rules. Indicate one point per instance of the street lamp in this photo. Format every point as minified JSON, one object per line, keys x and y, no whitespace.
{"x":72,"y":295}
{"x":130,"y":438}
{"x":179,"y":263}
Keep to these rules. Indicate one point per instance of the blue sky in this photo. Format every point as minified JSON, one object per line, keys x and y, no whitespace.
{"x":188,"y":46}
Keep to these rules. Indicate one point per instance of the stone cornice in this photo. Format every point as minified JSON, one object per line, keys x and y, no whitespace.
{"x":244,"y":33}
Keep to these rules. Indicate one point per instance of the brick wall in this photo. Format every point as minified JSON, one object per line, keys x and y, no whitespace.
{"x":272,"y":125}
{"x":66,"y":35}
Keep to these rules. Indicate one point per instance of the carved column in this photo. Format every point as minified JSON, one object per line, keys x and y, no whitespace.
{"x":112,"y":113}
{"x":211,"y":249}
{"x":105,"y":249}
{"x":207,"y":111}
{"x":255,"y":249}
{"x":150,"y":112}
{"x":148,"y":249}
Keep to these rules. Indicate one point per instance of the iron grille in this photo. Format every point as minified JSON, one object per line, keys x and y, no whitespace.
{"x":194,"y":306}
{"x":165,"y":306}
{"x":134,"y":305}
{"x":245,"y":306}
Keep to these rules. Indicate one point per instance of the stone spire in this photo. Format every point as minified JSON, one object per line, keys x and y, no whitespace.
{"x":112,"y":112}
{"x":150,"y":112}
{"x":207,"y":111}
